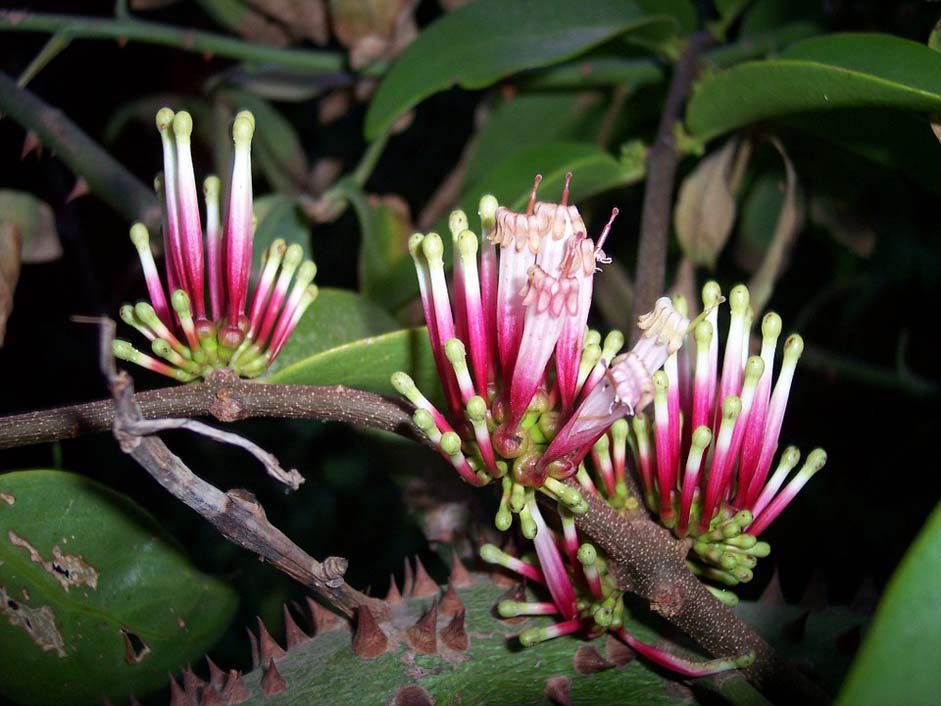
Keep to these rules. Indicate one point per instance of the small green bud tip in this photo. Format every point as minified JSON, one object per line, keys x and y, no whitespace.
{"x":307,"y":271}
{"x":680,"y":304}
{"x":293,"y":255}
{"x":457,"y":223}
{"x":743,"y":574}
{"x":145,"y":312}
{"x":592,"y":338}
{"x":182,"y":126}
{"x":731,"y":407}
{"x":528,"y":526}
{"x":164,"y":119}
{"x":211,"y":187}
{"x":791,"y":456}
{"x":793,"y":348}
{"x":487,"y":210}
{"x":160,"y":347}
{"x":403,"y":384}
{"x":123,"y":350}
{"x":738,"y":299}
{"x":746,"y":660}
{"x":450,"y":443}
{"x":181,"y":302}
{"x":503,"y":519}
{"x":488,"y":552}
{"x":711,"y":293}
{"x":587,"y":554}
{"x":620,"y":429}
{"x":423,"y":419}
{"x":742,"y":518}
{"x":508,"y":609}
{"x":414,"y":243}
{"x":771,"y":325}
{"x":579,"y":509}
{"x":754,"y":367}
{"x":139,"y":236}
{"x":703,"y":334}
{"x":278,"y":248}
{"x":531,"y":637}
{"x":613,"y":342}
{"x":702,"y":437}
{"x":467,"y":244}
{"x":432,"y":247}
{"x":603,"y":444}
{"x":816,"y":460}
{"x":455,"y":351}
{"x":126,"y":313}
{"x":760,"y":550}
{"x":476,"y":408}
{"x":660,"y":381}
{"x":242,"y":129}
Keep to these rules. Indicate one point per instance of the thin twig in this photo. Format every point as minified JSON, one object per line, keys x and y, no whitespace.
{"x":223,"y":396}
{"x":104,"y":175}
{"x":658,"y":192}
{"x":185,"y":39}
{"x":236,"y":514}
{"x":146,"y":427}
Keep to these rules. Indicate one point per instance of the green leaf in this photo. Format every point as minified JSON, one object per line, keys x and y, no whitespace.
{"x":337,"y":317}
{"x":485,"y":41}
{"x":367,"y":364}
{"x":278,"y":216}
{"x":386,"y":224}
{"x":96,"y":598}
{"x":529,"y":120}
{"x":819,"y":74}
{"x":898,"y":661}
{"x":511,"y":180}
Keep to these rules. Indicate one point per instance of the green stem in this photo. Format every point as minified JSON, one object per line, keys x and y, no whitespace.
{"x":105,"y":176}
{"x":55,"y":45}
{"x":367,"y":162}
{"x":128,"y":29}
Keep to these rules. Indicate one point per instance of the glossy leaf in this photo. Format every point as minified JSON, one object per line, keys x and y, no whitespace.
{"x":531,"y":119}
{"x":485,"y":41}
{"x":898,"y":662}
{"x":511,"y":180}
{"x":278,"y":216}
{"x":337,"y":317}
{"x":819,"y":74}
{"x":367,"y":364}
{"x":96,"y":598}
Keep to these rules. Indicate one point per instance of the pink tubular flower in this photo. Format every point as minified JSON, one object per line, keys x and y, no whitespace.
{"x":708,"y":480}
{"x":189,"y":339}
{"x":528,"y":388}
{"x":584,"y":597}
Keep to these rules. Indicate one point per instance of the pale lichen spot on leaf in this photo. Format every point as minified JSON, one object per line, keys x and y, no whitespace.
{"x":67,"y":569}
{"x":38,"y":623}
{"x":7,"y":498}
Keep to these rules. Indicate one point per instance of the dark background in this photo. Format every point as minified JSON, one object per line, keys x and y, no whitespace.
{"x":851,"y":524}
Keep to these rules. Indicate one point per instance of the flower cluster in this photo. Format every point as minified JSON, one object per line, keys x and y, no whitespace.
{"x":708,"y":478}
{"x":189,"y":338}
{"x":537,"y":390}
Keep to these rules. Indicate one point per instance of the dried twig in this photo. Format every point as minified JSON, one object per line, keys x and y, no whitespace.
{"x":236,"y":514}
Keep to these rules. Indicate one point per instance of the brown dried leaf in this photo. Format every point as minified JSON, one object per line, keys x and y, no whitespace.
{"x":790,"y":222}
{"x":36,"y":224}
{"x":705,"y":208}
{"x":301,"y":18}
{"x":10,"y":250}
{"x":373,"y":29}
